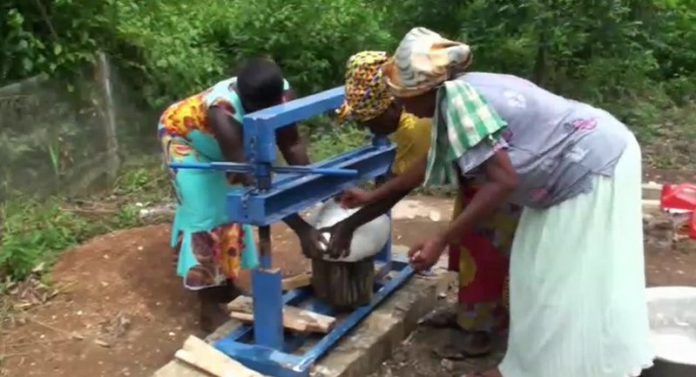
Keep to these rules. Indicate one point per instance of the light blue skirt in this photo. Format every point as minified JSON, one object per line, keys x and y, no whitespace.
{"x":577,"y":283}
{"x":201,"y":230}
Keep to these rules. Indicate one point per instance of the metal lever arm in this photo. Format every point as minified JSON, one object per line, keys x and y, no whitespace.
{"x":234,"y":167}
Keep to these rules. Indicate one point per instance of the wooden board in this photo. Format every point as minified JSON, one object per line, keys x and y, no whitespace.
{"x":205,"y":357}
{"x":297,"y":281}
{"x":294,"y":318}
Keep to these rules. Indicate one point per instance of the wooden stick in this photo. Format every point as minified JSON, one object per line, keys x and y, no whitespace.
{"x":203,"y":356}
{"x":294,"y":318}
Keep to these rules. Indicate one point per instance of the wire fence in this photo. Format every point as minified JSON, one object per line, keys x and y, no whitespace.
{"x":70,"y":139}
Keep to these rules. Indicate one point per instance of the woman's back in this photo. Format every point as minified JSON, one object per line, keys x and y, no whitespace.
{"x":555,"y":143}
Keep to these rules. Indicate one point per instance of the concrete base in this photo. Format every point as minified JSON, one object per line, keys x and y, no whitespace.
{"x":373,"y":341}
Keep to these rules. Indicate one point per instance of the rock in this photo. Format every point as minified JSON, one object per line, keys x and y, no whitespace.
{"x":102,"y":343}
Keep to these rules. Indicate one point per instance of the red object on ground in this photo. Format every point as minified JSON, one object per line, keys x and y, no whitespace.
{"x":679,"y":197}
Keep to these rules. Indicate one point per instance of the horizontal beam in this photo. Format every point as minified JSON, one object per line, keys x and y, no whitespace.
{"x":294,"y":193}
{"x":294,"y":111}
{"x":260,"y":127}
{"x":263,"y":359}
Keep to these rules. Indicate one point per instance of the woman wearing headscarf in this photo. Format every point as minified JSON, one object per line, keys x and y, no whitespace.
{"x":480,"y":256}
{"x":577,"y":279}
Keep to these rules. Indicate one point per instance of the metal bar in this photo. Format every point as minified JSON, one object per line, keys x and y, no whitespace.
{"x":265,"y":247}
{"x":234,"y":167}
{"x":268,"y":308}
{"x":292,"y":195}
{"x":354,"y":319}
{"x":294,"y":111}
{"x":260,"y":127}
{"x":264,"y":360}
{"x":221,"y":166}
{"x":310,"y":170}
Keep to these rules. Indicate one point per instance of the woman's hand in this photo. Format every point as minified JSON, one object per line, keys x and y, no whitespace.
{"x":355,"y":197}
{"x":340,"y":239}
{"x":312,"y":242}
{"x":424,"y":255}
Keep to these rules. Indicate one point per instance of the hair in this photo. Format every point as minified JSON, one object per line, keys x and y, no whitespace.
{"x":260,"y":83}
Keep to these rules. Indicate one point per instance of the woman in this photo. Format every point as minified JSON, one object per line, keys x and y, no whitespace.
{"x":204,"y":128}
{"x":480,"y":256}
{"x":577,"y":281}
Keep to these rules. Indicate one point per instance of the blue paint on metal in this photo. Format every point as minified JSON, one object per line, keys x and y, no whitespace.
{"x":268,"y":307}
{"x":265,"y":360}
{"x":260,"y":127}
{"x":292,"y":195}
{"x":233,"y":167}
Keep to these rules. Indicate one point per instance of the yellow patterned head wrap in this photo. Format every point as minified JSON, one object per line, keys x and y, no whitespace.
{"x":423,"y":61}
{"x":367,"y":95}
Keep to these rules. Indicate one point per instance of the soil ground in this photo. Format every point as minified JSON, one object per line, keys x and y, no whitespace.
{"x":119,"y":310}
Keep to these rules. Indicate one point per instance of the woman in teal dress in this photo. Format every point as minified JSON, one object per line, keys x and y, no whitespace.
{"x":206,"y":127}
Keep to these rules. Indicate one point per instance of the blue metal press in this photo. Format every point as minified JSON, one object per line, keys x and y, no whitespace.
{"x":282,"y":191}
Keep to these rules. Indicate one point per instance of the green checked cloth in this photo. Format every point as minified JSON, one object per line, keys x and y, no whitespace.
{"x":466,"y":119}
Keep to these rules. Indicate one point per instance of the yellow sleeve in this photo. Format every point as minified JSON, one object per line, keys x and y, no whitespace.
{"x":412,"y":140}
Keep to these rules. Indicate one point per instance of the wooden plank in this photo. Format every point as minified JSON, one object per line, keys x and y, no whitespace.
{"x":294,"y":318}
{"x":297,"y":281}
{"x":203,"y":356}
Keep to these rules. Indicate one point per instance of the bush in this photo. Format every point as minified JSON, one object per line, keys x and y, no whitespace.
{"x":311,"y":40}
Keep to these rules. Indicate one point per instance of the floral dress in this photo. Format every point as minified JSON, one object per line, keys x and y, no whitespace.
{"x":209,"y":249}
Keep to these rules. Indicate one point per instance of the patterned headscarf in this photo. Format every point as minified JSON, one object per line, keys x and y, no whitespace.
{"x":424,"y":60}
{"x":367,"y":95}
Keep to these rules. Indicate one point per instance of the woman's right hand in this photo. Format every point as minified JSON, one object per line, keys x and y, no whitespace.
{"x":355,"y":197}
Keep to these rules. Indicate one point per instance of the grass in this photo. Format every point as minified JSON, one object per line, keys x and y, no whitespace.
{"x":36,"y":231}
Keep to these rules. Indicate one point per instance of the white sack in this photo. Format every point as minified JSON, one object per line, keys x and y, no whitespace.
{"x":368,"y":240}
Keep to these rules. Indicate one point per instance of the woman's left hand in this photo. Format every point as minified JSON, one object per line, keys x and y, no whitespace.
{"x":341,"y":237}
{"x":312,"y":242}
{"x":424,"y":255}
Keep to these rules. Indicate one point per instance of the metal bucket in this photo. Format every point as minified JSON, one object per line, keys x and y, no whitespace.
{"x":672,"y":312}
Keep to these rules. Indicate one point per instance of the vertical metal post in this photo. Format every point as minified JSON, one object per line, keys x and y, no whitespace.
{"x":268,"y":297}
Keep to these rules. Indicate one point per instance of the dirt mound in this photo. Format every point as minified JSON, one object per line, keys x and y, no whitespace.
{"x":122,"y":312}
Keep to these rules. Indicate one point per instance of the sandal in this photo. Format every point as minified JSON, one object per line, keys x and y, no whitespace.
{"x":466,"y":345}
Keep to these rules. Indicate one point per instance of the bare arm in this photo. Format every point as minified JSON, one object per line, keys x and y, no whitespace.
{"x":402,"y":184}
{"x":501,"y":181}
{"x":228,"y":133}
{"x":387,"y":195}
{"x":289,"y":142}
{"x":383,"y":199}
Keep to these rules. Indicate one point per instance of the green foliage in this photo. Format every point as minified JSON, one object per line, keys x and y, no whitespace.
{"x":174,"y":56}
{"x":311,"y":40}
{"x":326,"y":143}
{"x":36,"y":231}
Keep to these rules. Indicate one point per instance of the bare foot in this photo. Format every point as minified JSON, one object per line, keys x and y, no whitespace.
{"x":213,"y":311}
